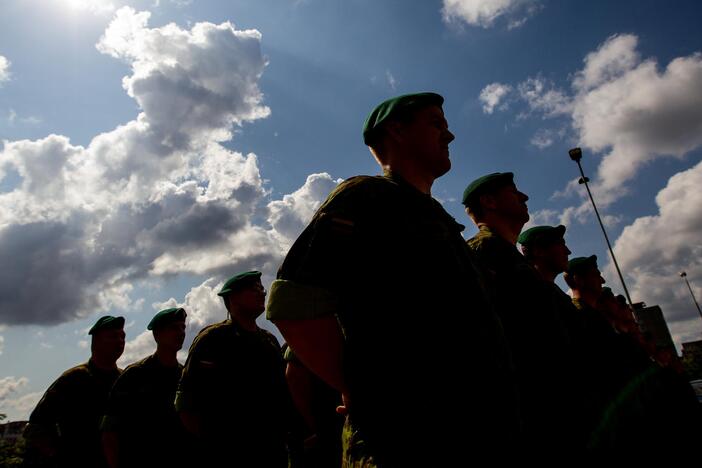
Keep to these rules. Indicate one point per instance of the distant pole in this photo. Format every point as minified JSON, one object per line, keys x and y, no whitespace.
{"x":683,"y":275}
{"x":576,"y":155}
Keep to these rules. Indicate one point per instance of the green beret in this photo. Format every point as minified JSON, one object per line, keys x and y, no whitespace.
{"x":237,"y":281}
{"x":166,"y":316}
{"x":485,"y":184}
{"x":397,"y":107}
{"x":580,"y":264}
{"x":541,"y":234}
{"x":107,"y":322}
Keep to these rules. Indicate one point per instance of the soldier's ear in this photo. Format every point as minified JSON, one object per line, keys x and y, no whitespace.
{"x":487,"y":201}
{"x":394,"y":130}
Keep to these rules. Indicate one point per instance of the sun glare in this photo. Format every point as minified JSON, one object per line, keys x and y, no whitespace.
{"x":90,"y":6}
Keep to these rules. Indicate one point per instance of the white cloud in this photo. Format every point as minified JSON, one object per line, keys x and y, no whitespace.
{"x":15,"y":405}
{"x":391,"y":80}
{"x":10,"y":385}
{"x":157,"y":195}
{"x":13,"y":118}
{"x":19,"y":408}
{"x":614,"y":57}
{"x":542,"y":139}
{"x":542,"y":217}
{"x":634,"y":112}
{"x":654,"y":249}
{"x":626,"y":108}
{"x":491,"y":96}
{"x":4,"y":69}
{"x":484,"y":13}
{"x":138,"y":348}
{"x":290,"y":215}
{"x":542,"y":97}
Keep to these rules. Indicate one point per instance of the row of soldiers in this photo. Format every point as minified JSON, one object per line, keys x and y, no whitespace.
{"x":436,"y":350}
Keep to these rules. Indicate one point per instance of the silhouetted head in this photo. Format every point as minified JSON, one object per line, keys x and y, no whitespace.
{"x":409,"y":134}
{"x":244,"y":295}
{"x":108,"y":338}
{"x":545,"y":248}
{"x":168,"y":327}
{"x":495,"y":197}
{"x":584,"y":277}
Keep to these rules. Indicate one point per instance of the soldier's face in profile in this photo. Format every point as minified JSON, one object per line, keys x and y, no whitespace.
{"x":556,"y":254}
{"x":591,"y":280}
{"x":427,"y":138}
{"x":511,"y":203}
{"x":171,"y":335}
{"x":109,"y":343}
{"x":251,"y":300}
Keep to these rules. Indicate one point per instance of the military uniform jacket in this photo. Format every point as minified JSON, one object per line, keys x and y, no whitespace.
{"x":140,"y":410}
{"x":425,"y":356}
{"x":70,"y":411}
{"x":540,"y":339}
{"x":235,"y":380}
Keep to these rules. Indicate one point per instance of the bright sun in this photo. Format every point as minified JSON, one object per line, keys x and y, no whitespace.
{"x":92,"y":6}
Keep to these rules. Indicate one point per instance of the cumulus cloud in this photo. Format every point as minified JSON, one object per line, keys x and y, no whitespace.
{"x":654,"y":249}
{"x":19,"y":409}
{"x":11,"y":385}
{"x":484,"y":13}
{"x":15,"y":405}
{"x":542,"y":139}
{"x":4,"y":69}
{"x":491,"y":96}
{"x":543,"y":97}
{"x":634,"y":112}
{"x":158,"y":195}
{"x":624,"y":107}
{"x":542,"y":217}
{"x":289,"y":215}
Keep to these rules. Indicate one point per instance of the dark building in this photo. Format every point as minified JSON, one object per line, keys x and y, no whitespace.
{"x":10,"y":432}
{"x":692,"y":359}
{"x":653,"y":326}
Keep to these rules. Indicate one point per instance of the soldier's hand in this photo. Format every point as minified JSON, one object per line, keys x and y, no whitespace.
{"x":345,"y":404}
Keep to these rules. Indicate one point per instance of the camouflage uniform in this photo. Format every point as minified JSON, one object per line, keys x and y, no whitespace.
{"x":70,"y":412}
{"x":540,"y":339}
{"x":140,"y":410}
{"x":323,"y":401}
{"x":235,"y":380}
{"x":425,"y":358}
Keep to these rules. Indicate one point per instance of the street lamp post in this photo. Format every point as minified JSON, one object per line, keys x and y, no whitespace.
{"x":683,"y":275}
{"x":576,"y":155}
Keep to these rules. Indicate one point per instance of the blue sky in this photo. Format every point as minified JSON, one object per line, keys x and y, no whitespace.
{"x":150,"y":149}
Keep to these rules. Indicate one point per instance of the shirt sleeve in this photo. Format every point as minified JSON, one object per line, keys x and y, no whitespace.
{"x":199,"y":375}
{"x":315,"y":269}
{"x":43,"y":422}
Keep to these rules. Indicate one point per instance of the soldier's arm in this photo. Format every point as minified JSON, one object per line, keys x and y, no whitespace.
{"x":110,"y":447}
{"x":318,"y":343}
{"x":197,"y":378}
{"x":42,"y":432}
{"x":305,"y":301}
